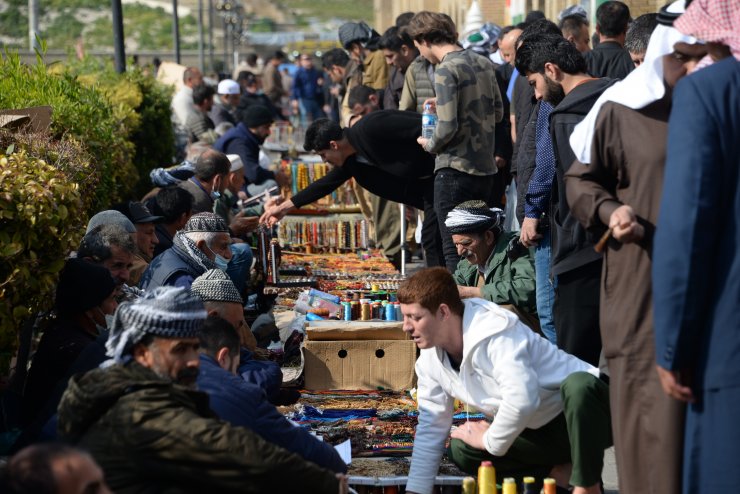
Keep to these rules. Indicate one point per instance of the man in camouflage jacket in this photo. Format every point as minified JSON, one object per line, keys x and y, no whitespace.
{"x":469,"y":105}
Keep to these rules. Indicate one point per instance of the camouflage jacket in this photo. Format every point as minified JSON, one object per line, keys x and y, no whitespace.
{"x":469,"y":105}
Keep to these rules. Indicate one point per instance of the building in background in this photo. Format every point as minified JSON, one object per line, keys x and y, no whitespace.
{"x":501,"y":12}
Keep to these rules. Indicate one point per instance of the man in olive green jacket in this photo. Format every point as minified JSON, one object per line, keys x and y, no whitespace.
{"x":151,"y":431}
{"x":486,"y":270}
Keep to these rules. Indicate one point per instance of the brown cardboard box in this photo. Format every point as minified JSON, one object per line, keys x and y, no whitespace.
{"x":355,"y":330}
{"x":360,"y":364}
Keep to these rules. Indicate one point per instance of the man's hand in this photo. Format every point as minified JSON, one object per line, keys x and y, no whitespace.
{"x":294,"y":104}
{"x":471,"y":433}
{"x":500,"y":162}
{"x":241,"y":225}
{"x":273,"y":214}
{"x":674,"y":384}
{"x":343,"y":483}
{"x":624,"y":226}
{"x":469,"y":291}
{"x":432,"y":102}
{"x":529,"y":236}
{"x":422,"y":141}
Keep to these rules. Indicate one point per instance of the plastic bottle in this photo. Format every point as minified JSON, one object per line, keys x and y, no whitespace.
{"x":509,"y":486}
{"x":486,"y":478}
{"x":428,"y":121}
{"x":549,"y":486}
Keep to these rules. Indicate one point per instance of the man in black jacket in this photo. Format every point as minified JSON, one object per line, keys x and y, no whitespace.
{"x":609,"y":58}
{"x":381,"y":153}
{"x":558,"y":73}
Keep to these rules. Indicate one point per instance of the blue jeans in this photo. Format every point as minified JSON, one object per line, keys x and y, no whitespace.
{"x":545,"y":287}
{"x":453,"y":187}
{"x":310,"y":111}
{"x":239,"y":265}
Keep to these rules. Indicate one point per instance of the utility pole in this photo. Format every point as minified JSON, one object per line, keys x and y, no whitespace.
{"x":120,"y":52}
{"x":201,"y":55}
{"x":176,"y":30}
{"x":210,"y":35}
{"x":33,"y":24}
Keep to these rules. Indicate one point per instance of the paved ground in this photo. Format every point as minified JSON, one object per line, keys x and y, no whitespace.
{"x":609,"y":475}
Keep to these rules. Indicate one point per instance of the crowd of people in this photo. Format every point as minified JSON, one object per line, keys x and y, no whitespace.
{"x":579,"y":221}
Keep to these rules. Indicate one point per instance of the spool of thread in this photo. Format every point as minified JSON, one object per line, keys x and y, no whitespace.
{"x":365,"y":312}
{"x":397,"y":311}
{"x":509,"y":486}
{"x":468,"y":485}
{"x":549,"y":486}
{"x":377,"y":310}
{"x":355,"y":305}
{"x":346,"y":311}
{"x":486,"y":478}
{"x":390,"y":312}
{"x":374,"y":288}
{"x":529,"y":486}
{"x":313,"y":317}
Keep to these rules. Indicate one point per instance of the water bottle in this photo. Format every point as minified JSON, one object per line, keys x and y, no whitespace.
{"x":428,"y":121}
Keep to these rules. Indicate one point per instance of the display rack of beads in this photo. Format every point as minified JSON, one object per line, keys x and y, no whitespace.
{"x":302,"y":174}
{"x":339,"y":232}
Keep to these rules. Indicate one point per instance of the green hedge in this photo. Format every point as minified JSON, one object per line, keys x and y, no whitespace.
{"x":81,"y":113}
{"x":40,"y":222}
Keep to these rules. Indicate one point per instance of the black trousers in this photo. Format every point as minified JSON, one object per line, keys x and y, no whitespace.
{"x":452,"y":187}
{"x":576,"y":312}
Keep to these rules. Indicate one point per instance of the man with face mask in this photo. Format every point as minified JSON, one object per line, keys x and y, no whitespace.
{"x":245,"y":140}
{"x":557,"y":71}
{"x":85,"y":294}
{"x":209,"y":180}
{"x":201,"y":245}
{"x":142,"y":420}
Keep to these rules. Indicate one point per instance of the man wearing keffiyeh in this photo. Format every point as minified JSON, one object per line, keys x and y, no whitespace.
{"x":485,"y":270}
{"x":142,"y":420}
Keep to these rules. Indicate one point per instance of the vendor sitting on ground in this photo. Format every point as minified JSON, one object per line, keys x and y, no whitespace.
{"x":486,"y":270}
{"x":551,"y":409}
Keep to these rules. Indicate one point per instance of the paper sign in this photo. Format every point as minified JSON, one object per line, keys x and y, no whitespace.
{"x":345,"y":451}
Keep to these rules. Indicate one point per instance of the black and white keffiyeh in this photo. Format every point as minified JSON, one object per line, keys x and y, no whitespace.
{"x":165,"y":312}
{"x":473,"y":217}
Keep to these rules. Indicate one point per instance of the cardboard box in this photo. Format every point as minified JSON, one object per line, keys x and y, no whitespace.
{"x":355,"y":330}
{"x":360,"y":364}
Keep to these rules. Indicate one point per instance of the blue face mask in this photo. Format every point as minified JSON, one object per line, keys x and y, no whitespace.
{"x":215,"y":195}
{"x":221,"y":262}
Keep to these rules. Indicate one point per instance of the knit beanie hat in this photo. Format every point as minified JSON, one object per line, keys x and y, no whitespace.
{"x":473,"y":217}
{"x":215,"y":286}
{"x":205,"y":222}
{"x":165,"y":312}
{"x":257,"y":115}
{"x":82,"y":286}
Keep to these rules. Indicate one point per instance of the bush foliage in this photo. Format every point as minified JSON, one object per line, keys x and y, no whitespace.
{"x":51,"y":183}
{"x":40,"y":222}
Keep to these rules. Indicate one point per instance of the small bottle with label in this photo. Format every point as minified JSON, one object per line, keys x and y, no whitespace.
{"x":428,"y":121}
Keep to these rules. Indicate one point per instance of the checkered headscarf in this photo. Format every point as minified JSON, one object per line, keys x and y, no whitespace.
{"x":473,"y":217}
{"x":714,"y":21}
{"x":215,"y":286}
{"x":165,"y":312}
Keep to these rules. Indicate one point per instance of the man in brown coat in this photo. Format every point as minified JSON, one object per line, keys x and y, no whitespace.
{"x":616,"y":184}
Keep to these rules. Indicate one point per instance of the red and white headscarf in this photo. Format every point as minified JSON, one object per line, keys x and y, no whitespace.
{"x":713,"y":21}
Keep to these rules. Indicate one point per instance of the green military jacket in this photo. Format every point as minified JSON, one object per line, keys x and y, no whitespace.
{"x":506,"y":282}
{"x":150,"y":435}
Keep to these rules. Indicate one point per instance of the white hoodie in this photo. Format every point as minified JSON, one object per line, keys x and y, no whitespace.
{"x":507,"y":372}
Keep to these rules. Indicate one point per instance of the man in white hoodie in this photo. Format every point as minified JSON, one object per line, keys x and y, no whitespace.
{"x":551,"y":409}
